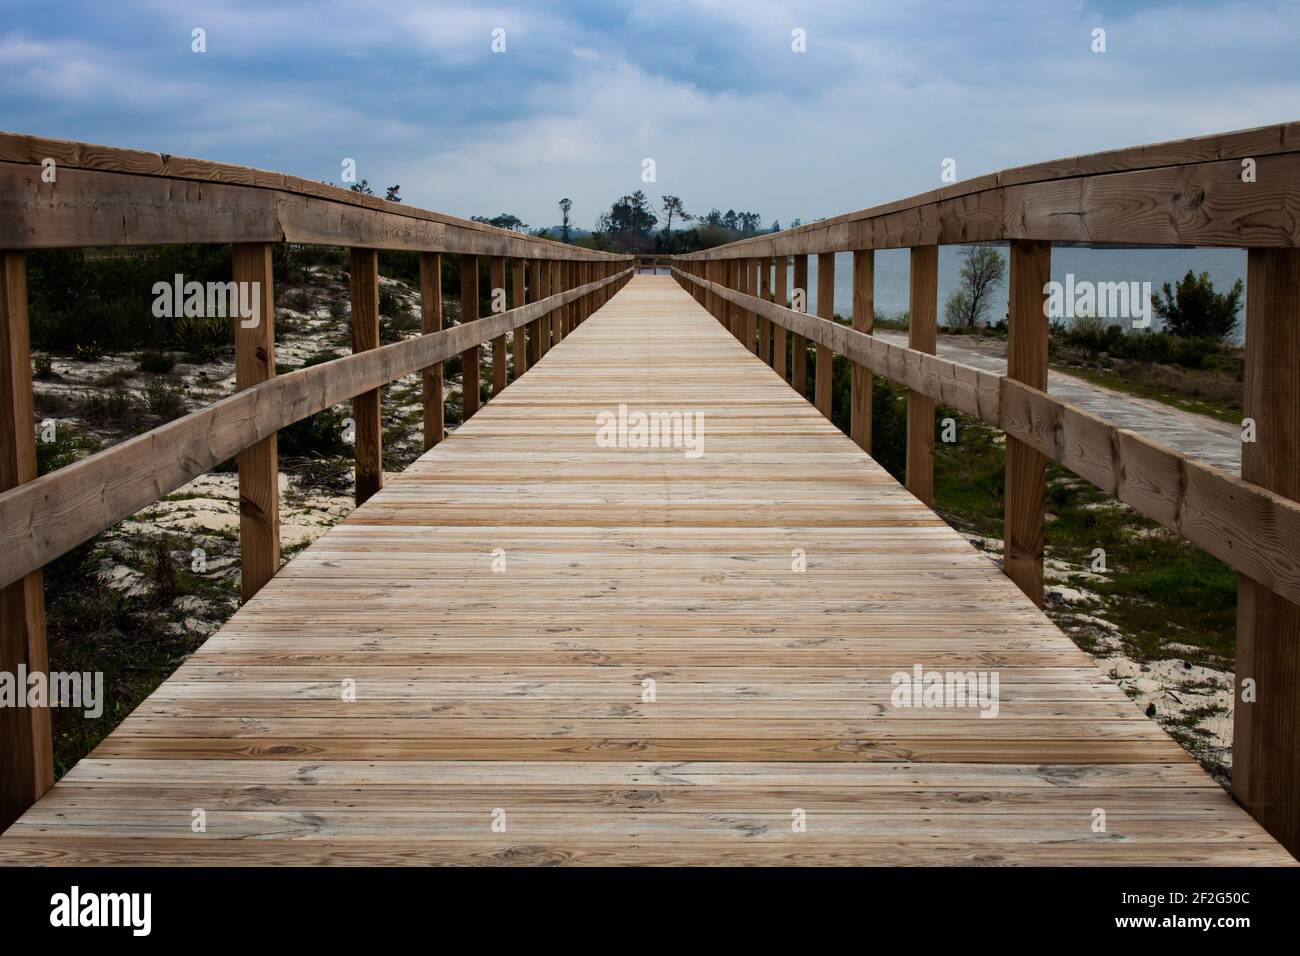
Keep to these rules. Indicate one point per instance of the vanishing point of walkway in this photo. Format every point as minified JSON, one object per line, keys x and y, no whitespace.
{"x":531,"y":649}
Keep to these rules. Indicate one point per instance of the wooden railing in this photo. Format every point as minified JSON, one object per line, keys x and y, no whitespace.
{"x":1237,"y":190}
{"x":60,"y":194}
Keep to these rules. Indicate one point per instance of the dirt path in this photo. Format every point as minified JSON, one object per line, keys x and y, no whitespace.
{"x":1196,"y":436}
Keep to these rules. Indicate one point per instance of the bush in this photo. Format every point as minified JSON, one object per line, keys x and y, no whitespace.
{"x":164,"y":399}
{"x":69,"y":444}
{"x":321,"y":436}
{"x":1194,"y":310}
{"x":114,"y":407}
{"x":203,"y":339}
{"x":43,"y":366}
{"x":158,"y":363}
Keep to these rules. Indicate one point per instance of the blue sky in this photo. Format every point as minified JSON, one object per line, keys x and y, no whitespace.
{"x":586,"y":90}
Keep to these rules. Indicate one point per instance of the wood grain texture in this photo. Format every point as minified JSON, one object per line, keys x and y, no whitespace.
{"x":798,"y":343}
{"x":259,"y":473}
{"x":469,"y":359}
{"x":1025,"y":506}
{"x":368,"y":430}
{"x":864,"y":320}
{"x":497,"y":294}
{"x":781,"y":299}
{"x":525,"y":688}
{"x":431,"y":386}
{"x":519,"y":337}
{"x":823,"y":374}
{"x":1266,"y":730}
{"x":922,"y":336}
{"x":26,"y":759}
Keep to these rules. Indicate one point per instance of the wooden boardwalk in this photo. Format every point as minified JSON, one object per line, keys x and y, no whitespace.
{"x":500,"y":609}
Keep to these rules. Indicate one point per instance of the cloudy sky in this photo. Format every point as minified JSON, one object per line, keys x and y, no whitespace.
{"x":585,"y":91}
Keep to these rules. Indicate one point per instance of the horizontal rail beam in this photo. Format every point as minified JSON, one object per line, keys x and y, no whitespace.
{"x":44,"y":518}
{"x":106,"y":196}
{"x":1245,"y":526}
{"x":1179,"y":193}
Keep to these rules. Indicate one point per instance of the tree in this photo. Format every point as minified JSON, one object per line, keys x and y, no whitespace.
{"x":503,"y":221}
{"x":391,"y":194}
{"x":363,"y":187}
{"x":983,"y":268}
{"x":673,"y":209}
{"x":629,"y":221}
{"x":1195,"y":311}
{"x":565,"y":205}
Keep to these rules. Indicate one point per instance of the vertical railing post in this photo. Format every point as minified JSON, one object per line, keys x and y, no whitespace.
{"x":435,"y":422}
{"x":26,"y":747}
{"x":764,"y":267}
{"x":259,"y":476}
{"x":922,"y":335}
{"x":497,"y":288}
{"x":781,"y":295}
{"x":1024,"y":503}
{"x":519,"y":337}
{"x":1266,"y":708}
{"x":864,"y":294}
{"x":469,"y":312}
{"x":799,"y":344}
{"x":823,"y":381}
{"x":367,"y":430}
{"x":533,"y":290}
{"x":555,"y":274}
{"x":749,"y":279}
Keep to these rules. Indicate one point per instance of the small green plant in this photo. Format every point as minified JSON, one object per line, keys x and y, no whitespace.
{"x":156,"y":362}
{"x":67,"y":443}
{"x":114,"y":407}
{"x":87,"y":352}
{"x":43,"y":366}
{"x":164,"y":399}
{"x":320,"y":436}
{"x":203,"y":339}
{"x":165,"y":579}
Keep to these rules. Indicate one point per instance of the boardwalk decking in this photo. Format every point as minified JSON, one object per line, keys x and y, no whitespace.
{"x":501,"y":604}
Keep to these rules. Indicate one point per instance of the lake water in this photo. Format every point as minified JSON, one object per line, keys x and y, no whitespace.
{"x":1157,"y":266}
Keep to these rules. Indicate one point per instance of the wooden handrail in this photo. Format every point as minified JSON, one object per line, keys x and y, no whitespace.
{"x":102,"y":195}
{"x":44,"y":518}
{"x":1183,"y":192}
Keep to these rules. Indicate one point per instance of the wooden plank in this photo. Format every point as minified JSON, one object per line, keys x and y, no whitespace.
{"x":823,"y":375}
{"x":1266,"y":730}
{"x":497,"y":303}
{"x":26,"y":760}
{"x":1025,"y":507}
{"x":864,"y":319}
{"x":259,"y":473}
{"x":431,"y":386}
{"x":922,"y":336}
{"x":469,"y":312}
{"x":368,"y":430}
{"x":798,"y":343}
{"x":519,"y":338}
{"x":749,"y":281}
{"x":43,"y":519}
{"x":527,"y":690}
